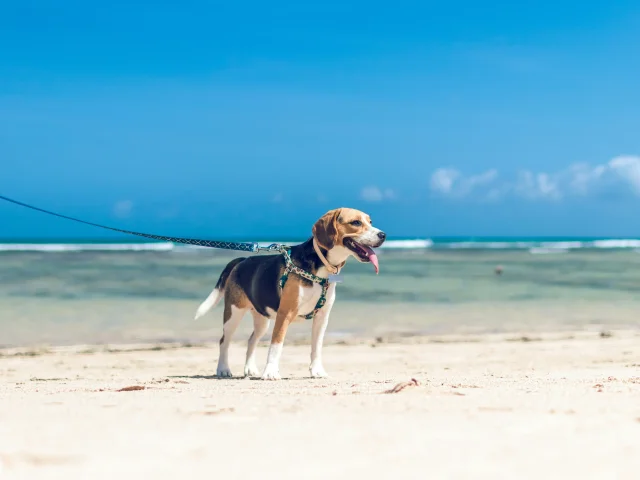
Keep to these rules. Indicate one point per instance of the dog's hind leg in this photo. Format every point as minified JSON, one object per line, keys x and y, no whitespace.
{"x":232,"y":317}
{"x":260,"y":327}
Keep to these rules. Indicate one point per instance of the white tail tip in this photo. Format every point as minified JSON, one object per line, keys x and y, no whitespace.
{"x":208,"y":304}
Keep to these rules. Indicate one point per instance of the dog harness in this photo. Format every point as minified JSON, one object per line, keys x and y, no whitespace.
{"x":323,"y":282}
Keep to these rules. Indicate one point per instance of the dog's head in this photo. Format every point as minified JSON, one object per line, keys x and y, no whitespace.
{"x":349,"y":230}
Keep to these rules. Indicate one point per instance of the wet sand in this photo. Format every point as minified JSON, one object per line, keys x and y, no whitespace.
{"x":493,"y":406}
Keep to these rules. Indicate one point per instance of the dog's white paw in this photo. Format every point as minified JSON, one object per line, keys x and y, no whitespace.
{"x":223,"y":372}
{"x":318,"y":371}
{"x":271,"y":372}
{"x":251,"y":370}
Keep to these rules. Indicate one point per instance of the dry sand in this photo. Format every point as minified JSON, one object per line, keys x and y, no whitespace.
{"x":486,"y":407}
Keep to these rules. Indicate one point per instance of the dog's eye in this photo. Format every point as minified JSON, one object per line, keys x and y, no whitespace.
{"x":356,"y":223}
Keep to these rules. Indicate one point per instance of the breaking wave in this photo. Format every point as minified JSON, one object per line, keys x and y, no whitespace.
{"x":437,"y":244}
{"x":85,"y":247}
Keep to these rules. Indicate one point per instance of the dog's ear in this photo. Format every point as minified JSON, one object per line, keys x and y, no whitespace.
{"x":325,"y":229}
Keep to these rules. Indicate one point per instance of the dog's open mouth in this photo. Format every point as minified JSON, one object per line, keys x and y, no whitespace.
{"x":363,"y":252}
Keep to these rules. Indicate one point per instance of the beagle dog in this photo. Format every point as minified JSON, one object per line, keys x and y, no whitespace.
{"x":255,"y":284}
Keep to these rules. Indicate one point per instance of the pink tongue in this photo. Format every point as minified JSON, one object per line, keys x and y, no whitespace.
{"x":373,"y":258}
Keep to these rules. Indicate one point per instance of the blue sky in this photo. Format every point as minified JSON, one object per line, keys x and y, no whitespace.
{"x":221,"y":119}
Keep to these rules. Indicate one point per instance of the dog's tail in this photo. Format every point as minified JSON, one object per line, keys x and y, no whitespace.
{"x":217,"y":293}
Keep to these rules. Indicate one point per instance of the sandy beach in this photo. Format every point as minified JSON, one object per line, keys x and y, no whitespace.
{"x":560,"y":405}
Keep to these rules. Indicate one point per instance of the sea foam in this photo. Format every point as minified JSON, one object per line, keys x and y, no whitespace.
{"x":533,"y":246}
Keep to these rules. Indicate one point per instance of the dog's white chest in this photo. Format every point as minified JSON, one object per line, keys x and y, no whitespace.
{"x":309,"y":297}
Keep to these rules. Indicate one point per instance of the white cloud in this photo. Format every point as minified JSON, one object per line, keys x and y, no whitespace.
{"x":482,"y":179}
{"x":450,"y":182}
{"x":389,"y":194}
{"x":442,"y":180}
{"x":583,"y":177}
{"x":578,"y":179}
{"x":627,"y":167}
{"x":467,"y":185}
{"x":537,"y":186}
{"x":123,"y":208}
{"x":375,"y":194}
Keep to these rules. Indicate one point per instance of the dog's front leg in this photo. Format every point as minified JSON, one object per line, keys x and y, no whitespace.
{"x":287,"y":312}
{"x":320,"y":322}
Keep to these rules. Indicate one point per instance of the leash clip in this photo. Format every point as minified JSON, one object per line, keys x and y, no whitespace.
{"x":274,"y":247}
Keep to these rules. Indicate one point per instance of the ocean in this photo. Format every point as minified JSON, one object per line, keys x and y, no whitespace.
{"x":69,"y":292}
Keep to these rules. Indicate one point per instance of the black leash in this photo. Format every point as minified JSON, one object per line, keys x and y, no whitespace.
{"x":245,"y":247}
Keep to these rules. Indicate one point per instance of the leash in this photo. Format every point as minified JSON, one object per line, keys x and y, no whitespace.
{"x":242,"y":246}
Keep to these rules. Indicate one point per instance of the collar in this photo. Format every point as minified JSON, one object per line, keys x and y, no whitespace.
{"x":333,"y":269}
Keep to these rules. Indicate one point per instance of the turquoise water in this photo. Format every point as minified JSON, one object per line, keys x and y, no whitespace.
{"x":417,"y":275}
{"x":128,"y":296}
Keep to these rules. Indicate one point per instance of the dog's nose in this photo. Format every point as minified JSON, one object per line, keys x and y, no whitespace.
{"x":382,"y":235}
